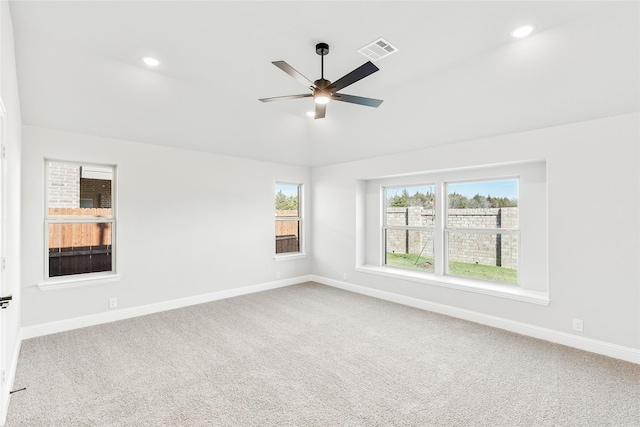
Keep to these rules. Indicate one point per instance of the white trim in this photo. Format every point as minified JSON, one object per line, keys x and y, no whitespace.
{"x":612,"y":350}
{"x":73,"y":281}
{"x":127,"y":313}
{"x":463,"y":284}
{"x":289,"y":256}
{"x":4,"y":387}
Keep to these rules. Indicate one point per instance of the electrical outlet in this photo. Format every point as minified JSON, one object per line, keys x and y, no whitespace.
{"x":277,"y":274}
{"x":113,"y":302}
{"x":345,"y":276}
{"x":578,"y":325}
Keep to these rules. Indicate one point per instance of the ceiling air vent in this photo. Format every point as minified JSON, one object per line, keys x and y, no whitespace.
{"x":378,"y":49}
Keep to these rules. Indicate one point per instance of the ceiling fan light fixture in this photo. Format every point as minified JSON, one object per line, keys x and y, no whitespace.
{"x":322,"y":97}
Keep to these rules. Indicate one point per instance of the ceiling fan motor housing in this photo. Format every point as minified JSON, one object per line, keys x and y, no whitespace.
{"x":322,"y":83}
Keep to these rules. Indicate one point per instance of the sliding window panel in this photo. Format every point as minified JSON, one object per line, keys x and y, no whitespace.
{"x":287,"y":236}
{"x":481,"y":255}
{"x":80,"y":247}
{"x":409,"y":248}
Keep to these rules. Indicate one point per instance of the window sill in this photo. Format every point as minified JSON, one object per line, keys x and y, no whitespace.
{"x":85,"y":280}
{"x":460,"y":283}
{"x":289,"y":256}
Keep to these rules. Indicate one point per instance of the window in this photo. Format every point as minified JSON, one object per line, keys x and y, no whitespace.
{"x":79,"y":219}
{"x":480,"y":233}
{"x":481,"y":229}
{"x":288,"y":218}
{"x":409,"y":224}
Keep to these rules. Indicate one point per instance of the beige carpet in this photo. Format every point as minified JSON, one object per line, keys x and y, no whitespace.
{"x":311,"y":355}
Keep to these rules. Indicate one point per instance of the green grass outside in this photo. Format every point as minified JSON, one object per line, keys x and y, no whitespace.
{"x":409,"y":261}
{"x":476,"y":271}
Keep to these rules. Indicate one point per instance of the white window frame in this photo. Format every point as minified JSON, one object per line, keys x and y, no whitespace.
{"x":299,"y":218}
{"x":532,"y":230}
{"x":79,"y":279}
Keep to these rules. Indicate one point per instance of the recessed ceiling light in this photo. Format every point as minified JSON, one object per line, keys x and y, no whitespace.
{"x":523,"y":31}
{"x":311,"y":113}
{"x":151,"y":62}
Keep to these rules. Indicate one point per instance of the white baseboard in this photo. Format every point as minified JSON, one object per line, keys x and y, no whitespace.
{"x":612,"y":350}
{"x":127,"y":313}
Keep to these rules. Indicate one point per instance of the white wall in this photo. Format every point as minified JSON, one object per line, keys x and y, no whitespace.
{"x":593,"y":180}
{"x":172,"y":201}
{"x":188,"y":223}
{"x":11,"y":138}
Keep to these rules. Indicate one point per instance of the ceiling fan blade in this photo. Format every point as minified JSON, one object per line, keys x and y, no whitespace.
{"x":294,"y":73}
{"x":283,"y":98}
{"x":359,"y":73}
{"x":320,"y":111}
{"x":369,"y":102}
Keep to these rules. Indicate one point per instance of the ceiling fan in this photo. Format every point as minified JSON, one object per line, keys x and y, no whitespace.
{"x":322,"y":90}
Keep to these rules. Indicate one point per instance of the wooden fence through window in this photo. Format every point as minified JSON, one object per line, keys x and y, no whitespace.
{"x":287,"y":232}
{"x":79,"y":247}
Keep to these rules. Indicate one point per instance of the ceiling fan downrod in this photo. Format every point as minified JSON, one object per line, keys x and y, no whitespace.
{"x":322,"y":49}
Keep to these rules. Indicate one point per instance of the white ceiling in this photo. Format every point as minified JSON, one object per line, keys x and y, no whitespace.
{"x":458,"y":74}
